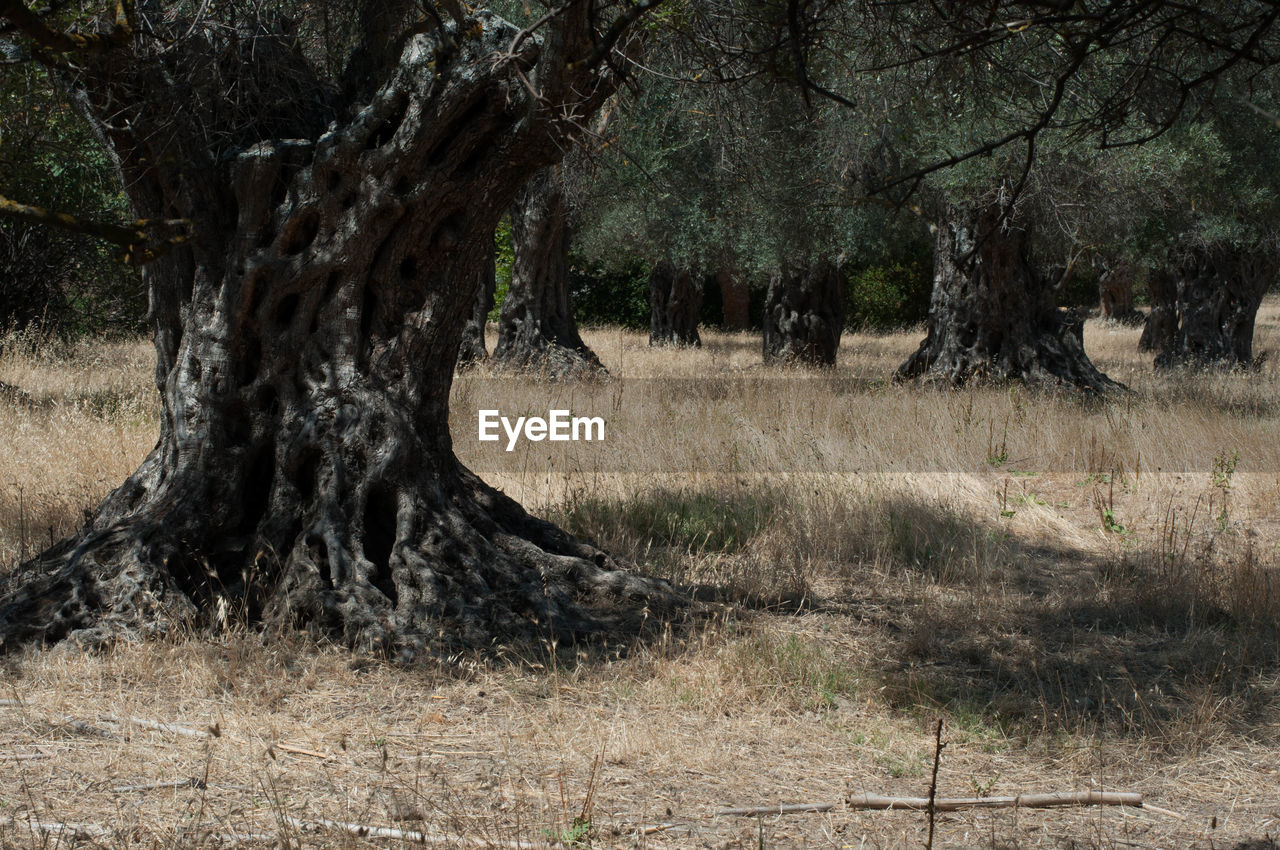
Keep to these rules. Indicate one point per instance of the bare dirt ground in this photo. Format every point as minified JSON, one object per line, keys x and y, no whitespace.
{"x":1086,"y":593}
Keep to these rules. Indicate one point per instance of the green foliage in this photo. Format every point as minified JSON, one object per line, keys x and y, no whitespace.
{"x":888,"y":297}
{"x":1217,"y":176}
{"x":699,"y":521}
{"x":576,"y":834}
{"x":1080,"y":289}
{"x":708,"y":178}
{"x":613,"y":294}
{"x":504,"y":257}
{"x":49,"y":158}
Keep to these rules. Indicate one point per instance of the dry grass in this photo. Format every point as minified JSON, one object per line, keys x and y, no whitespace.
{"x":1087,"y":593}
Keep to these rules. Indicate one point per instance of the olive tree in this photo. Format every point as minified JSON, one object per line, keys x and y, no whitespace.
{"x":536,"y":327}
{"x":321,"y":219}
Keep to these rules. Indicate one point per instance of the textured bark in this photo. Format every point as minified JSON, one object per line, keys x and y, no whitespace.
{"x":306,"y":340}
{"x":1115,"y":291}
{"x":1218,"y":289}
{"x":1162,"y":321}
{"x":804,"y":315}
{"x":536,"y":329}
{"x":735,"y":298}
{"x":992,"y":317}
{"x":472,"y":349}
{"x":675,"y":301}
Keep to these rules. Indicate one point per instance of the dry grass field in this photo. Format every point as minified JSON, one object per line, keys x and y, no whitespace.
{"x":1086,"y":593}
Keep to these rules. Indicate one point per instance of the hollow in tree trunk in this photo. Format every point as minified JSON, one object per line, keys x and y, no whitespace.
{"x":675,"y":301}
{"x":1218,"y":289}
{"x":992,"y":316}
{"x":306,"y":336}
{"x":804,"y":315}
{"x":1162,"y":320}
{"x":1115,"y":292}
{"x":735,"y":299}
{"x":536,"y":329}
{"x":472,"y":349}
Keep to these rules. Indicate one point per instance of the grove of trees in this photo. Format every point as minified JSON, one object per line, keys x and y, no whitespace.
{"x":312,"y":194}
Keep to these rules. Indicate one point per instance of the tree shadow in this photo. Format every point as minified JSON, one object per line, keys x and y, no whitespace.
{"x":1173,"y":640}
{"x":1174,"y":644}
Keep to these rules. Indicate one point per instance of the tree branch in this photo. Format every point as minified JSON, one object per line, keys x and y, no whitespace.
{"x":620,"y":26}
{"x":142,"y":241}
{"x":34,"y":27}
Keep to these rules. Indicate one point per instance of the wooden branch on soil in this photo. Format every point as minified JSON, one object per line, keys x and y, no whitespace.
{"x":193,"y":782}
{"x":953,"y":804}
{"x":361,"y":830}
{"x":73,"y":830}
{"x":237,"y":837}
{"x":785,"y":809}
{"x":87,"y":728}
{"x":213,"y":732}
{"x":302,"y":751}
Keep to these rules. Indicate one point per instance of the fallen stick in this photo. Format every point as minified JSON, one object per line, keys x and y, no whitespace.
{"x":158,"y":726}
{"x":653,"y":829}
{"x":237,"y":837}
{"x":193,"y":782}
{"x":301,"y":751}
{"x":77,"y":830}
{"x":785,"y":809}
{"x":1022,"y":801}
{"x":25,"y":756}
{"x":87,"y":728}
{"x":361,"y":830}
{"x":952,"y":804}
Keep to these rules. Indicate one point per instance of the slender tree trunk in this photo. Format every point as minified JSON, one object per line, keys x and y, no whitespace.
{"x":675,"y":300}
{"x":1162,"y":321}
{"x":735,"y":296}
{"x":804,"y":315}
{"x":992,"y":317}
{"x":472,"y":348}
{"x":306,"y":339}
{"x":1115,"y":291}
{"x":1219,"y":288}
{"x":536,"y":329}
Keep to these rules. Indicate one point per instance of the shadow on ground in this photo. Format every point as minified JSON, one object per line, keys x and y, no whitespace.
{"x":1178,"y":641}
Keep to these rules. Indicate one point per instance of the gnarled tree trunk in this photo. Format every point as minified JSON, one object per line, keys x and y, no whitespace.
{"x":804,"y":315}
{"x":536,"y":329}
{"x":472,"y":348}
{"x":992,"y":316}
{"x":306,"y":339}
{"x":735,"y":299}
{"x":1115,"y":292}
{"x":1218,"y":288}
{"x":1162,"y":321}
{"x":675,"y":301}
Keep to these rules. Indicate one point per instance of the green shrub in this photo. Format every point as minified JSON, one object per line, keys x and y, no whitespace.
{"x":698,"y":521}
{"x":1080,"y":289}
{"x":888,"y":296}
{"x":504,"y":256}
{"x":66,"y":283}
{"x":601,"y":297}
